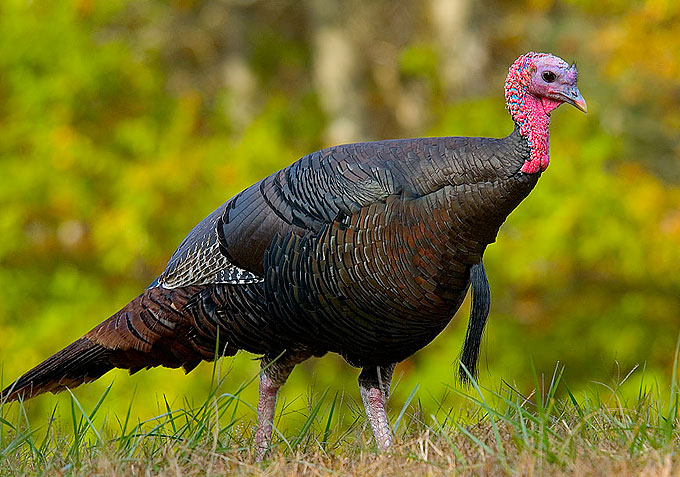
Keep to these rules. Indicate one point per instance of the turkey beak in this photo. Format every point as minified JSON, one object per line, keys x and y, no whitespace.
{"x":573,"y":97}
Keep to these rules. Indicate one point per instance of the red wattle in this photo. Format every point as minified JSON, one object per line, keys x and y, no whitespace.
{"x":537,"y":131}
{"x":530,"y":167}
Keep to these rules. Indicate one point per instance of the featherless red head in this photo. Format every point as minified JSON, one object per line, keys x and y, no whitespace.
{"x":536,"y":84}
{"x":518,"y":81}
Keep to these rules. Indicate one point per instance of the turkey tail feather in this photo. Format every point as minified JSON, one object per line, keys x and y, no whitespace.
{"x":80,"y":362}
{"x":151,"y":330}
{"x":481,"y":304}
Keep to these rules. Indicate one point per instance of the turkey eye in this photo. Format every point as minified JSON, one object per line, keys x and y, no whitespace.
{"x":548,"y":76}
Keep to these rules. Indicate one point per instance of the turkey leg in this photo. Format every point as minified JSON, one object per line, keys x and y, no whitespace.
{"x":273,"y":375}
{"x":374,"y":386}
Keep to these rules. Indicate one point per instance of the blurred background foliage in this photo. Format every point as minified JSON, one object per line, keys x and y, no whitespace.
{"x":122,"y":124}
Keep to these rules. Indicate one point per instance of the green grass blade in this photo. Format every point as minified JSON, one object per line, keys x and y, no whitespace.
{"x":85,"y":415}
{"x":309,"y":421}
{"x":327,"y":429}
{"x":403,"y":409}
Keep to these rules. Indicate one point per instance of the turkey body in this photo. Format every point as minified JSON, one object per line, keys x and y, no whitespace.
{"x":362,"y":249}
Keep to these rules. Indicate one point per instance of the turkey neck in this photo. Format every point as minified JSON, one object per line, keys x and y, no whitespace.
{"x":468,"y":211}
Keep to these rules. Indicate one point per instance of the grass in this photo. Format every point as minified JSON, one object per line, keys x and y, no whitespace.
{"x":494,"y":432}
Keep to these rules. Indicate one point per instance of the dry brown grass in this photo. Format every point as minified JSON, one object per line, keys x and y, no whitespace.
{"x":422,"y":454}
{"x":495,"y":433}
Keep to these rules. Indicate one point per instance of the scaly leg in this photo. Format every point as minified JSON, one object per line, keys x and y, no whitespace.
{"x":272,"y":376}
{"x":374,"y":386}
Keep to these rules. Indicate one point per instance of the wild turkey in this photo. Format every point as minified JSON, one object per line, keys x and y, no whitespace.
{"x":366,"y":250}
